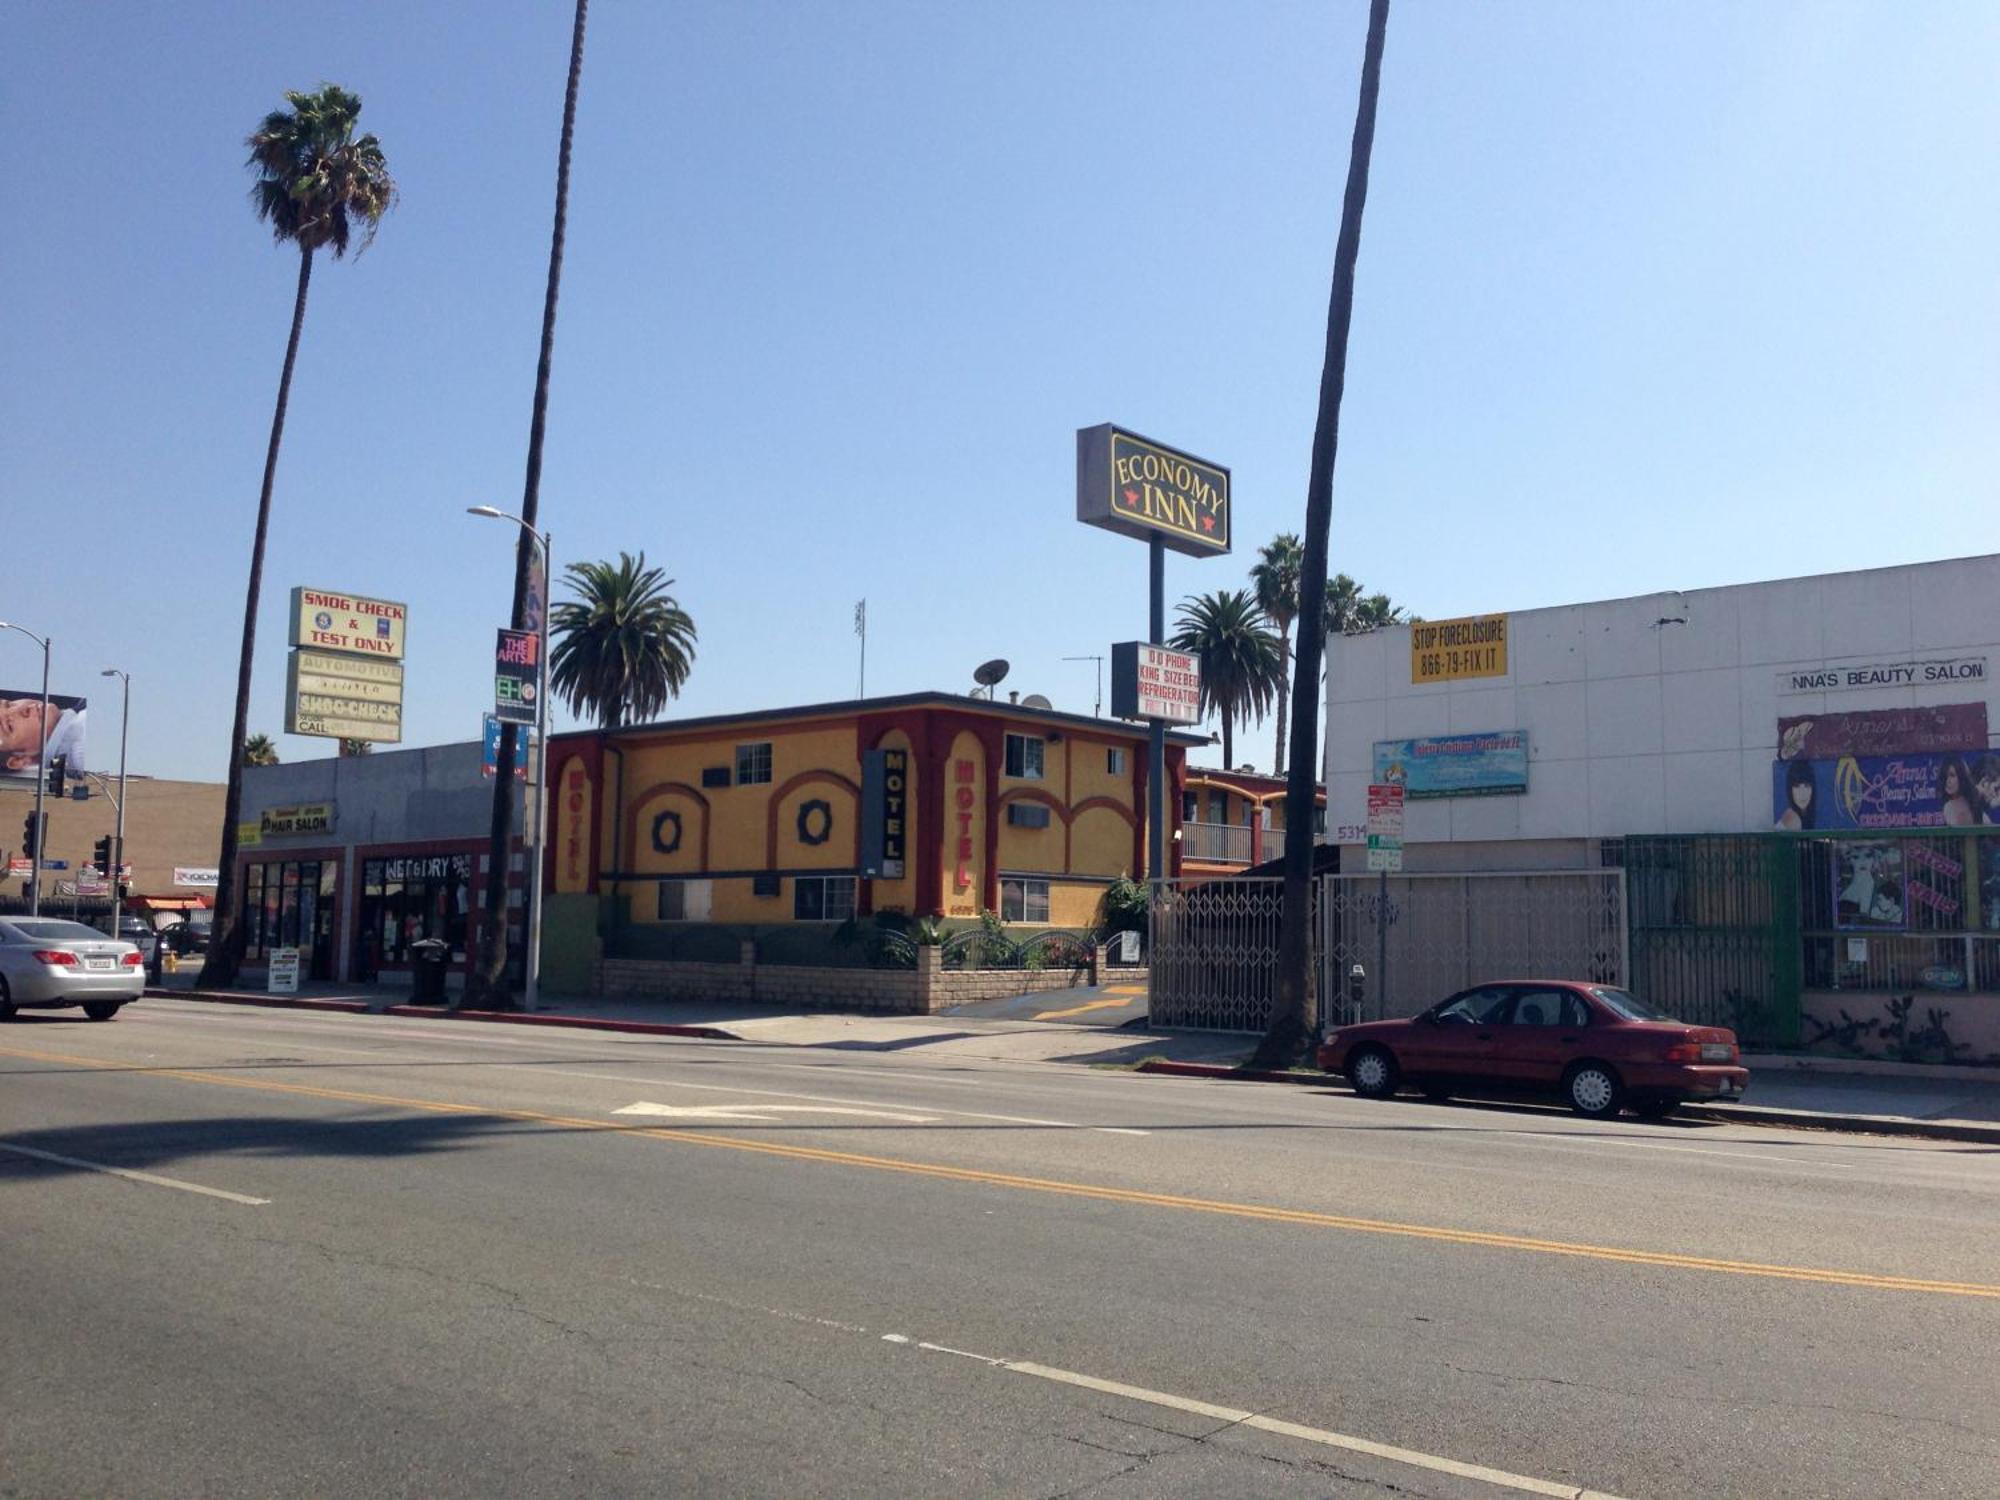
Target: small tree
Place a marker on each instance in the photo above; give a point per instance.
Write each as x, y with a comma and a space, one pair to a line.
259, 751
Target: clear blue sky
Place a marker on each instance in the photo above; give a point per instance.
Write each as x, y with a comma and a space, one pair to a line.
1650, 297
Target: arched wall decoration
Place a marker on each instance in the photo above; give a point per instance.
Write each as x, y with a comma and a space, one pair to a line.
635, 809
815, 822
662, 841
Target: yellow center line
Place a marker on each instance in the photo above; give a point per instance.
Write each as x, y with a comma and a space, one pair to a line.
1102, 1193
1077, 1010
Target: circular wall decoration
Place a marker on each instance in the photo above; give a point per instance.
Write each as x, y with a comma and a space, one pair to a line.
815, 822
667, 832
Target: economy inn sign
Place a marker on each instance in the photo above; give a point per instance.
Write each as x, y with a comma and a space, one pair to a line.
1140, 488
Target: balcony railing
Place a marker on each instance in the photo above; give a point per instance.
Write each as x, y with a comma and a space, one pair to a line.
1216, 843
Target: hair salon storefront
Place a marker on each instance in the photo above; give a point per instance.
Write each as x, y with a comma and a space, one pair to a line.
353, 860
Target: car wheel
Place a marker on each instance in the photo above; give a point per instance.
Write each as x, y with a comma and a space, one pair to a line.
1372, 1073
1593, 1090
101, 1010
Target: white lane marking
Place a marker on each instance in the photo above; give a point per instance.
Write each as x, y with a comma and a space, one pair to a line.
723, 1088
759, 1112
131, 1176
1326, 1438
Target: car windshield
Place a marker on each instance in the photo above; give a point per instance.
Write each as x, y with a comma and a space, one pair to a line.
43, 930
1629, 1005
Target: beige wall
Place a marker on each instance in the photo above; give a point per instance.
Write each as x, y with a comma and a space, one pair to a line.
167, 823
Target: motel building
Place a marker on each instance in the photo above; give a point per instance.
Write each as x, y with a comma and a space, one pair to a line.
1231, 820
680, 839
1790, 790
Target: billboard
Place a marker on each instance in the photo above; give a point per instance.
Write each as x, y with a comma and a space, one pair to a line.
1928, 790
1456, 765
885, 815
1140, 488
1449, 650
1152, 682
348, 623
28, 743
489, 765
1883, 731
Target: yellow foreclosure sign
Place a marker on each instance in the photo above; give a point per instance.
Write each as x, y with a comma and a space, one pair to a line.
1447, 650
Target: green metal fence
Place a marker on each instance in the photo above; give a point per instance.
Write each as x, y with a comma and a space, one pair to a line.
1714, 923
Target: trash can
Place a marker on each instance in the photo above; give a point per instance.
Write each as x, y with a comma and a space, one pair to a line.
429, 958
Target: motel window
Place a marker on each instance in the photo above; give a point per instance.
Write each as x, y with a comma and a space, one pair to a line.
1319, 822
753, 764
1114, 762
823, 898
1027, 815
1218, 807
684, 900
1024, 900
1189, 802
1024, 756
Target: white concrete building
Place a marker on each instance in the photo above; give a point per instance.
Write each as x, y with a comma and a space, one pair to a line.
1657, 714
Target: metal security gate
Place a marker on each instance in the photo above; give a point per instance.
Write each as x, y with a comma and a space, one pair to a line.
1392, 947
1213, 955
1413, 940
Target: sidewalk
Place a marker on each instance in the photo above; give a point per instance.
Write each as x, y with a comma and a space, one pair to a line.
1816, 1093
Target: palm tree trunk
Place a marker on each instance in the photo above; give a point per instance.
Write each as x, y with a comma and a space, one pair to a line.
1293, 1017
1228, 739
1284, 692
488, 982
225, 946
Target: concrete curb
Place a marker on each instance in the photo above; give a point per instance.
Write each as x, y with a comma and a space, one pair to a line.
1805, 1119
271, 1002
1801, 1119
441, 1013
576, 1023
1224, 1070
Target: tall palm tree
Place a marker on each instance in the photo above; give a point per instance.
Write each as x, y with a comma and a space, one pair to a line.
1241, 663
1375, 612
487, 984
1275, 577
351, 748
258, 751
318, 183
1343, 596
624, 645
1292, 1017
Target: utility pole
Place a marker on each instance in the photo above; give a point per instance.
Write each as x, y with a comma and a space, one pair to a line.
1097, 704
861, 629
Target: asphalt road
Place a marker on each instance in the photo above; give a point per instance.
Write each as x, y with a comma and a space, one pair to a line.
368, 1256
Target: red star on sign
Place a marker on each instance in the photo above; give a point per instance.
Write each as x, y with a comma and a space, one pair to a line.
1208, 523
1131, 497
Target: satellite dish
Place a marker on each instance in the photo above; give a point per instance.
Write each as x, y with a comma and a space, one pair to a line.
990, 672
1036, 700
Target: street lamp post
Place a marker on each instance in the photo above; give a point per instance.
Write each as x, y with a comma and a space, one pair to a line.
532, 989
118, 840
41, 773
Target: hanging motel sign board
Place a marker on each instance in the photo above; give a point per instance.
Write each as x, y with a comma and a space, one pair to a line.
1140, 488
1151, 682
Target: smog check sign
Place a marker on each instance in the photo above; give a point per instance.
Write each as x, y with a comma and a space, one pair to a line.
348, 623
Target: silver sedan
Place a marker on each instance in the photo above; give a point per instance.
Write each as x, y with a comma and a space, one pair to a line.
47, 962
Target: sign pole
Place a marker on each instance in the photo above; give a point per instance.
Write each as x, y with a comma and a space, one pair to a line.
1156, 732
41, 784
1382, 945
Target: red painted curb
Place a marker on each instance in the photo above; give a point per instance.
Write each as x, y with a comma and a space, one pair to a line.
579, 1023
1221, 1070
273, 1002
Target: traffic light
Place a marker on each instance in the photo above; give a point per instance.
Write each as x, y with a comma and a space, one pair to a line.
100, 855
58, 775
31, 834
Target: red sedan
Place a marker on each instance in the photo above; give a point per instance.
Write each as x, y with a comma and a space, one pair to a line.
1597, 1048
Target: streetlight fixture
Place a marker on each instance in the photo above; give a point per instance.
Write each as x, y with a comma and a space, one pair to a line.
118, 840
41, 772
532, 989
